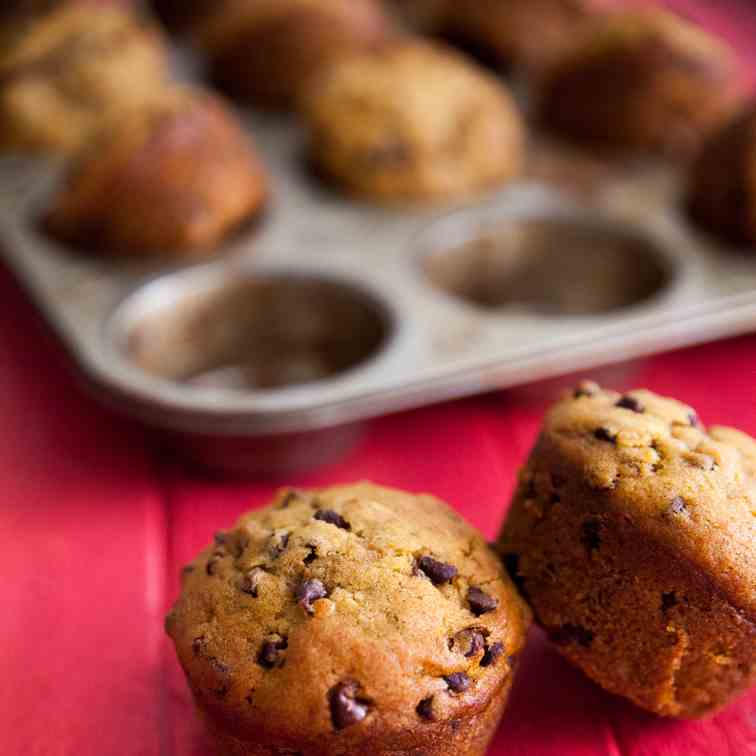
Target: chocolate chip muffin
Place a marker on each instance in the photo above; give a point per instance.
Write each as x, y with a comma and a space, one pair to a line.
354, 619
504, 29
633, 536
63, 67
265, 51
172, 177
641, 81
412, 122
722, 183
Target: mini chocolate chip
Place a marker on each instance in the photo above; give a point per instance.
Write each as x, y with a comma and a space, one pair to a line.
270, 654
312, 554
480, 602
199, 645
570, 633
309, 591
668, 601
678, 506
290, 497
530, 489
219, 538
438, 572
347, 706
603, 434
222, 671
630, 403
590, 535
512, 566
250, 583
493, 652
425, 709
694, 420
332, 518
458, 682
212, 563
187, 569
469, 642
278, 544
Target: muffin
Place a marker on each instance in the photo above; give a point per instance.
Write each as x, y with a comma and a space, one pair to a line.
641, 81
412, 122
172, 177
61, 70
423, 15
633, 536
504, 29
266, 50
180, 15
722, 183
354, 619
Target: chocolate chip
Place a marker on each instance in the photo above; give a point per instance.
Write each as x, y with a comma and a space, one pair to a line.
347, 706
458, 682
309, 591
480, 602
493, 652
569, 633
278, 544
668, 601
332, 518
630, 403
469, 642
199, 646
694, 420
678, 506
438, 572
586, 388
271, 652
590, 535
219, 538
289, 498
512, 566
425, 709
187, 569
250, 583
603, 434
312, 554
212, 563
221, 670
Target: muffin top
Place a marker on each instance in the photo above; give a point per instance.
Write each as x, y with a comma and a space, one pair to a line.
368, 607
413, 120
652, 460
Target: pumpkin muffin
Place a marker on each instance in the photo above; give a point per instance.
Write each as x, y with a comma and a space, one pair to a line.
354, 619
63, 69
526, 34
722, 184
173, 177
266, 50
633, 536
641, 81
412, 122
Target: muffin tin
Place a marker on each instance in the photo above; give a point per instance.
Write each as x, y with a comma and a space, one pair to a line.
330, 311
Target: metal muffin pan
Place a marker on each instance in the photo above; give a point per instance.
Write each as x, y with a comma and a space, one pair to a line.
330, 311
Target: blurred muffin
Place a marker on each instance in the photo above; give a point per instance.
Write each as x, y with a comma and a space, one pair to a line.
423, 15
644, 80
179, 15
174, 176
62, 70
523, 33
265, 50
413, 121
722, 185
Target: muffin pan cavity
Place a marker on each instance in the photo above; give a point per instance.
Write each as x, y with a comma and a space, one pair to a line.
255, 331
547, 265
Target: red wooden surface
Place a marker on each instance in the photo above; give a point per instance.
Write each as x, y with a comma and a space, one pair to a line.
94, 526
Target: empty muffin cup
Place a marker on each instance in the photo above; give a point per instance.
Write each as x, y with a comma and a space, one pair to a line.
251, 331
552, 264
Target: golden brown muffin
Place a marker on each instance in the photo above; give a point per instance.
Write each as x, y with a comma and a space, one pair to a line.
62, 70
354, 619
644, 80
412, 122
523, 33
266, 50
633, 536
722, 185
174, 176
